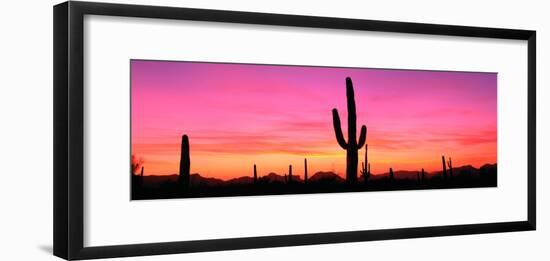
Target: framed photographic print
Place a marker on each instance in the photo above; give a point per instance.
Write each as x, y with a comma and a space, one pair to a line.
183, 130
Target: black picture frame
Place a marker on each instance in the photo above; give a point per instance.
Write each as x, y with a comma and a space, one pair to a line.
69, 118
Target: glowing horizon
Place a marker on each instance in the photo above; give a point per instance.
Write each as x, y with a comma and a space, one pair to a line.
238, 115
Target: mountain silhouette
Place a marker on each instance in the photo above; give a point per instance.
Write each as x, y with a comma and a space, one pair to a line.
467, 170
169, 186
488, 168
398, 174
272, 177
328, 176
322, 176
240, 181
155, 181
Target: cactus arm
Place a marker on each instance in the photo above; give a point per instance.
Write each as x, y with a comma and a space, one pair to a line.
338, 130
362, 137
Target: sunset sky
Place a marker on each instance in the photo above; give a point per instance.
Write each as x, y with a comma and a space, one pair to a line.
239, 114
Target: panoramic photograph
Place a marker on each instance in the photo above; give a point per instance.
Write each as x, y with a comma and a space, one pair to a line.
204, 129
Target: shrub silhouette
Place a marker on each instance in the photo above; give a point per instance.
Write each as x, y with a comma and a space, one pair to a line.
352, 145
136, 179
185, 163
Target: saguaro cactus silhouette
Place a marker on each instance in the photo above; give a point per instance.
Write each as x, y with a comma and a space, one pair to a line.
365, 166
450, 165
352, 145
185, 163
289, 174
305, 170
255, 174
444, 167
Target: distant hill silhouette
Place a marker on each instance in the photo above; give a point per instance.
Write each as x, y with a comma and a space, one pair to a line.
399, 174
272, 177
167, 186
413, 175
320, 176
328, 176
240, 181
155, 181
198, 180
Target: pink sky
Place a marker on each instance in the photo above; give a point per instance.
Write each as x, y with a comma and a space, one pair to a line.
239, 114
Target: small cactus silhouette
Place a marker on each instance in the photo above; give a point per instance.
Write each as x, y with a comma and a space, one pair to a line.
305, 170
289, 174
368, 170
352, 145
255, 174
444, 167
185, 163
391, 174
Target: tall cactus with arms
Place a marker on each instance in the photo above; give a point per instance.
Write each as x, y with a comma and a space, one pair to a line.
352, 145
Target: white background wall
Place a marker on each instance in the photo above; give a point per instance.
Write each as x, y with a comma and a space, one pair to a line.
26, 129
